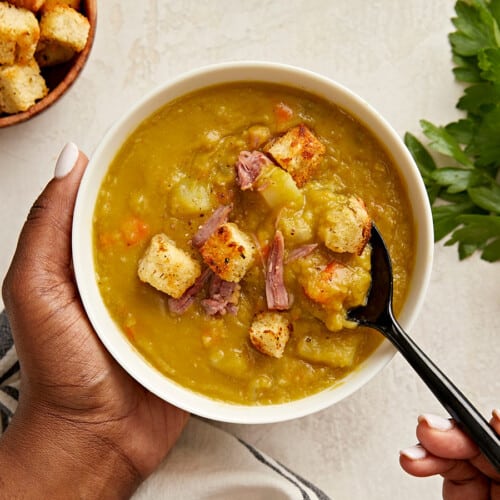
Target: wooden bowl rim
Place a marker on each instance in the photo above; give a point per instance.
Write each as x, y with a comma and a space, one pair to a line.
66, 82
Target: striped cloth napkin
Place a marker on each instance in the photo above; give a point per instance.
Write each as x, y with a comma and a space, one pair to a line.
206, 463
9, 374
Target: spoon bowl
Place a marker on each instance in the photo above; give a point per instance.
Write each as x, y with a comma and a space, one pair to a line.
378, 314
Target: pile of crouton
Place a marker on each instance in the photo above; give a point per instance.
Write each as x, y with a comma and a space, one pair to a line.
35, 34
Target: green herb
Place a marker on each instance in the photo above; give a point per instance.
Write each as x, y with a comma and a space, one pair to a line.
464, 191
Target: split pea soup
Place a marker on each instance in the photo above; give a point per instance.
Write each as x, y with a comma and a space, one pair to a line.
178, 168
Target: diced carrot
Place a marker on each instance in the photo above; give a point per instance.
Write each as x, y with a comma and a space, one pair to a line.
265, 250
282, 112
129, 332
134, 230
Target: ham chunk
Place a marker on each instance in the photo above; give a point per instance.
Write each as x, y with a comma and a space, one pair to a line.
298, 152
249, 166
276, 294
168, 268
229, 252
269, 333
346, 226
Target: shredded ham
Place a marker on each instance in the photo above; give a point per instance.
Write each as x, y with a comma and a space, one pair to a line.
182, 304
219, 217
222, 298
249, 166
276, 293
300, 252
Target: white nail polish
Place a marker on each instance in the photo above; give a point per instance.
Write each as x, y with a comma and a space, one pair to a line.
66, 161
436, 422
416, 452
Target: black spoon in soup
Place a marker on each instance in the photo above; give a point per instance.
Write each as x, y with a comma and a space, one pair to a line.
378, 314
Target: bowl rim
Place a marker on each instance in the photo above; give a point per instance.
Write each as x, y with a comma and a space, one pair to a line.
108, 332
69, 79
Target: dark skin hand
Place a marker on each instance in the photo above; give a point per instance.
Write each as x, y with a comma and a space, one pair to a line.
84, 427
446, 450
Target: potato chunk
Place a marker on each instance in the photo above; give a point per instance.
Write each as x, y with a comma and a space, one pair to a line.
299, 152
168, 268
229, 252
269, 333
278, 188
335, 351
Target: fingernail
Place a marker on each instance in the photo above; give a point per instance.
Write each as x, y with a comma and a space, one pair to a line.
416, 452
496, 414
436, 422
66, 161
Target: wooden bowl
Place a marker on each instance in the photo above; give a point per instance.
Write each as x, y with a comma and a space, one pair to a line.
59, 78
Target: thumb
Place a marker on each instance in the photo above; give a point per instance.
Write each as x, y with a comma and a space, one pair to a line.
43, 254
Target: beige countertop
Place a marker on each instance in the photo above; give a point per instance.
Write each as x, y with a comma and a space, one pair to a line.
396, 56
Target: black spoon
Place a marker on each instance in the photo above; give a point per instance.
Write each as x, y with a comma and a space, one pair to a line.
378, 314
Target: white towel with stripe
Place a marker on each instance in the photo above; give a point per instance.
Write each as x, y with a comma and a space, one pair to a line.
205, 464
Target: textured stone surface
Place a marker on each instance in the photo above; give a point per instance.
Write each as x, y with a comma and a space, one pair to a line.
396, 56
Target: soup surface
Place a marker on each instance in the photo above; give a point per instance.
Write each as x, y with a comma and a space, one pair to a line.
170, 176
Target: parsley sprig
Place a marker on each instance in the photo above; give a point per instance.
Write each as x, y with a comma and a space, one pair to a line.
465, 193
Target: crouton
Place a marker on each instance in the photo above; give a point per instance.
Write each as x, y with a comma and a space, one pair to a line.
20, 87
52, 53
50, 4
345, 226
33, 5
299, 152
229, 252
64, 26
168, 268
269, 333
19, 34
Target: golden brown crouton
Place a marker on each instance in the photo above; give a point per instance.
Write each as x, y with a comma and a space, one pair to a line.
51, 53
64, 26
346, 225
50, 4
229, 252
20, 87
299, 152
19, 34
168, 268
269, 333
33, 5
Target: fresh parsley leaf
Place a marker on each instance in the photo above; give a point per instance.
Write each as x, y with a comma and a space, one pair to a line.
423, 159
443, 142
465, 192
446, 217
476, 29
491, 251
485, 143
466, 69
462, 130
487, 198
480, 98
456, 179
489, 63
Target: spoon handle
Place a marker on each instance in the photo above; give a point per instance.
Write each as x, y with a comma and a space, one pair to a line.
458, 406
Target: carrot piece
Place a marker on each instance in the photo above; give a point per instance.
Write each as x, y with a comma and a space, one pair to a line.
282, 112
134, 230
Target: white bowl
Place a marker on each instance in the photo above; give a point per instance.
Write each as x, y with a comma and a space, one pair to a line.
116, 342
